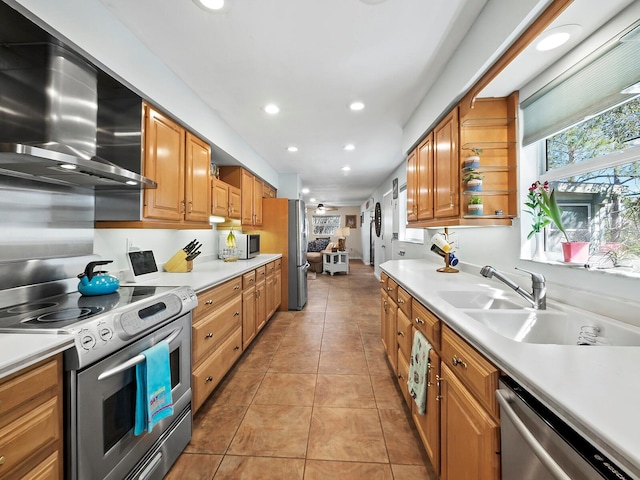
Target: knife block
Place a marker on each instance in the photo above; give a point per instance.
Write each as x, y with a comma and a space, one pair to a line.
179, 263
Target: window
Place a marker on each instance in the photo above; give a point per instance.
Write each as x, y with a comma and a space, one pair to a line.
413, 235
325, 224
594, 167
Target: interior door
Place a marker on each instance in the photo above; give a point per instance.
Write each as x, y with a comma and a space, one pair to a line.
387, 227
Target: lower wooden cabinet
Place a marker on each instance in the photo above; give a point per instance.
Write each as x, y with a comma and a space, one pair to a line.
470, 436
31, 422
210, 371
460, 429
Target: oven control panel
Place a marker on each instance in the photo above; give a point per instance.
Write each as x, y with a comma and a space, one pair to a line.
111, 331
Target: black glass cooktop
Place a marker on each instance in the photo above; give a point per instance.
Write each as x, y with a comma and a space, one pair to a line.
64, 310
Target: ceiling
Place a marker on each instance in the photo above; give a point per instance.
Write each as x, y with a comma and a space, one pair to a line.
313, 58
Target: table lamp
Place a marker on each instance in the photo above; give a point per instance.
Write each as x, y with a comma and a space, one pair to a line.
342, 234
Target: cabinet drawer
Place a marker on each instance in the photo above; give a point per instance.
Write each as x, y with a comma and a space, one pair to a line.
261, 273
249, 279
216, 296
427, 323
403, 376
404, 301
405, 335
20, 439
214, 329
28, 385
271, 268
207, 376
478, 374
48, 469
384, 278
392, 290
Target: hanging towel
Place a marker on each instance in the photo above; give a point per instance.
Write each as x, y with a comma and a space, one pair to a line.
153, 388
418, 371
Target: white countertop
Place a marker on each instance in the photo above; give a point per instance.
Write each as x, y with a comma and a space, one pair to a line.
207, 274
594, 389
18, 351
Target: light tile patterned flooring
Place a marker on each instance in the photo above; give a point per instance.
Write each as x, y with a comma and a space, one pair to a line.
312, 398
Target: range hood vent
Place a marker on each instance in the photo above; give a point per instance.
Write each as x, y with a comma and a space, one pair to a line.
54, 109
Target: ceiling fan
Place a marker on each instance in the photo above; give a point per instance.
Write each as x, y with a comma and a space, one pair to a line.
322, 208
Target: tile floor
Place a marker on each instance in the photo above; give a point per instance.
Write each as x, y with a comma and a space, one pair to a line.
312, 398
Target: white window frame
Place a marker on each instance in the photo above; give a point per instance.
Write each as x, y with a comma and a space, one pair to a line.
409, 235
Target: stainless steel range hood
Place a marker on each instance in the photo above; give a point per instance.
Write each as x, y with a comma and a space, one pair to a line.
51, 118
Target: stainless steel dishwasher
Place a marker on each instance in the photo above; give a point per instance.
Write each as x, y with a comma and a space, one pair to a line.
538, 445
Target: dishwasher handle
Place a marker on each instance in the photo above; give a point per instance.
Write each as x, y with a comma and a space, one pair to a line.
547, 460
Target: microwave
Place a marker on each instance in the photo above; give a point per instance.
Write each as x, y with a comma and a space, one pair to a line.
247, 245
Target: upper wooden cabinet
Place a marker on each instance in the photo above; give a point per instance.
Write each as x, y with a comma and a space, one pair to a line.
269, 191
436, 192
251, 191
225, 199
179, 162
446, 167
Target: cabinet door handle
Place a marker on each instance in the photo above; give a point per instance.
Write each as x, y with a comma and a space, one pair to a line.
389, 289
208, 379
439, 384
458, 361
236, 314
400, 300
429, 382
419, 321
400, 377
236, 347
209, 302
236, 287
400, 333
2, 460
183, 207
190, 207
208, 335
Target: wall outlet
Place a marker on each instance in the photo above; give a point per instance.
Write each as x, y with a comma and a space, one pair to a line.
129, 245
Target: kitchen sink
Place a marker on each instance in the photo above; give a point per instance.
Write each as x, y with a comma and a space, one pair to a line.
558, 327
481, 300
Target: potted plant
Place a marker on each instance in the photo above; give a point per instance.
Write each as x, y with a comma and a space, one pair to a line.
473, 161
473, 179
573, 252
475, 205
540, 219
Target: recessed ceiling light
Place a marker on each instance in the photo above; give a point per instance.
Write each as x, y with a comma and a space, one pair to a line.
305, 190
210, 4
67, 166
349, 147
556, 37
312, 200
292, 149
346, 168
356, 106
272, 109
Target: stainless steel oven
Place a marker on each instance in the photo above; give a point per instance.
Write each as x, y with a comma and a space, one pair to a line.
103, 406
110, 333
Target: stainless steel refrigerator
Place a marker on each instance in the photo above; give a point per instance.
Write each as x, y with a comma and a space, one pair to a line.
298, 235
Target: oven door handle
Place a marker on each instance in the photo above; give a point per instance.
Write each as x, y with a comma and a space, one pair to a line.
132, 362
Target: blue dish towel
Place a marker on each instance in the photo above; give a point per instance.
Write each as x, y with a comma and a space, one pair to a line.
153, 388
418, 371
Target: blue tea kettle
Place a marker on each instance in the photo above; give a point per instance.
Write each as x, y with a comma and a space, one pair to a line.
97, 283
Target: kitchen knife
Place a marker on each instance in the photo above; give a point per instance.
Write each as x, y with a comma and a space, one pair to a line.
194, 248
190, 245
192, 256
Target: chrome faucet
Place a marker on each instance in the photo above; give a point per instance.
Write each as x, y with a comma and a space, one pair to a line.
539, 296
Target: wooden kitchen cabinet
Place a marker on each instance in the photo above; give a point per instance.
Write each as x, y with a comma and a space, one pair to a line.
436, 194
251, 192
428, 425
248, 308
446, 167
179, 162
216, 336
31, 436
420, 186
470, 436
225, 199
389, 333
261, 298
